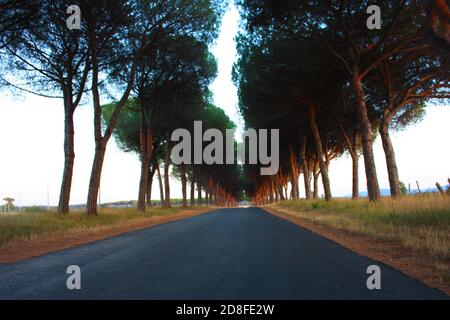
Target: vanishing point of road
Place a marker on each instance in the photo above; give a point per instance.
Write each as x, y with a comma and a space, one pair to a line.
243, 253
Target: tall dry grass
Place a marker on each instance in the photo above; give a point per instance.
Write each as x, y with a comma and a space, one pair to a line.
17, 226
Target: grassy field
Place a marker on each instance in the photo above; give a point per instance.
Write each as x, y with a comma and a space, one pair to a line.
419, 223
28, 226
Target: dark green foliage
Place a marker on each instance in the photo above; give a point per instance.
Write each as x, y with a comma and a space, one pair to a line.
403, 188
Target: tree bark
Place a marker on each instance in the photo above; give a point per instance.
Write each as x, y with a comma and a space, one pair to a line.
216, 196
206, 197
183, 184
391, 163
151, 174
280, 190
192, 200
146, 141
161, 187
353, 150
294, 174
211, 199
94, 182
69, 159
319, 152
355, 177
199, 193
305, 169
274, 189
373, 188
167, 174
316, 174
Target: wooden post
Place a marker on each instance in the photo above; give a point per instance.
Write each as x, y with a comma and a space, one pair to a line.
418, 187
441, 190
409, 188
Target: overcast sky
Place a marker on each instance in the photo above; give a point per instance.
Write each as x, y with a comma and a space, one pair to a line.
31, 141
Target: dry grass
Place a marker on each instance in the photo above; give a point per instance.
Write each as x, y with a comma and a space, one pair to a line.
420, 224
30, 226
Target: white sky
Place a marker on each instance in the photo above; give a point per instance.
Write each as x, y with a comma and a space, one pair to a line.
31, 140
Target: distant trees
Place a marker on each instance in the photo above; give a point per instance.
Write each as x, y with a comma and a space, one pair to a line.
222, 184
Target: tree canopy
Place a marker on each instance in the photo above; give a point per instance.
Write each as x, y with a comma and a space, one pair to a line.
316, 71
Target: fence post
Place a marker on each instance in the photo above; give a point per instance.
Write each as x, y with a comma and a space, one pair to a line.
441, 190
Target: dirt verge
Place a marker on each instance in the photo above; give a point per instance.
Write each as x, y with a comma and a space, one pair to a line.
388, 252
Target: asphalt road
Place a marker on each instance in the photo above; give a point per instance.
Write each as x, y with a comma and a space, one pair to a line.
226, 254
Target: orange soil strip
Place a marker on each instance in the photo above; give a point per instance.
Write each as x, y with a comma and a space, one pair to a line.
388, 252
41, 245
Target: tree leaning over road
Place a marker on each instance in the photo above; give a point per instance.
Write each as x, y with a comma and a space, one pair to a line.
151, 23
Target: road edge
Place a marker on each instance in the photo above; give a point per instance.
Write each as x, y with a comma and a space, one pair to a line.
396, 257
19, 250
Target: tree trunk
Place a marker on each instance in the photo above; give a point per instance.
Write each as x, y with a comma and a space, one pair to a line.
355, 176
69, 158
280, 190
373, 188
319, 152
217, 196
316, 184
274, 189
352, 146
192, 188
294, 175
167, 175
146, 141
206, 198
183, 184
161, 187
94, 182
199, 193
305, 169
391, 163
151, 174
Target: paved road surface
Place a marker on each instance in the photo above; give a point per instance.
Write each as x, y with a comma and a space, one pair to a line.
227, 254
